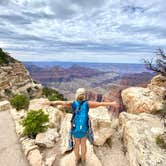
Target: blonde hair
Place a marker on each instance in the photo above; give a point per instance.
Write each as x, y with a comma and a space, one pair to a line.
79, 91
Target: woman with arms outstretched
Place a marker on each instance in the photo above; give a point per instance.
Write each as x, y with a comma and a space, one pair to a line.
79, 131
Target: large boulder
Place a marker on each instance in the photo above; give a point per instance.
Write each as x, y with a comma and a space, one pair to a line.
101, 124
28, 145
149, 100
47, 138
158, 86
139, 134
138, 100
35, 158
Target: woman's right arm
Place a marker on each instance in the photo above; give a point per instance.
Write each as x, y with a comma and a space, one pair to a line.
63, 103
94, 104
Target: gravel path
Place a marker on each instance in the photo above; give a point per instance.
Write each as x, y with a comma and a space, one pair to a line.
113, 156
10, 149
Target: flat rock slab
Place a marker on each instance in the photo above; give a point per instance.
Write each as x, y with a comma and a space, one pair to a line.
5, 105
11, 153
92, 160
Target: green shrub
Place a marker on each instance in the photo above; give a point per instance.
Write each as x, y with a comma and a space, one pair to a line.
52, 94
34, 123
5, 58
19, 102
161, 140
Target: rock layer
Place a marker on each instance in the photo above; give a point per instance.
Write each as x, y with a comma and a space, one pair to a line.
139, 134
149, 100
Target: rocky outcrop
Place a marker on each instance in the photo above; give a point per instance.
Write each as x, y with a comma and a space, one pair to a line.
139, 134
101, 124
14, 78
149, 100
47, 139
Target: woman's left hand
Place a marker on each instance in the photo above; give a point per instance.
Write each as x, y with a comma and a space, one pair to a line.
115, 105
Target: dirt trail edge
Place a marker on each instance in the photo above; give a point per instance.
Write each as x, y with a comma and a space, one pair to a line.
11, 153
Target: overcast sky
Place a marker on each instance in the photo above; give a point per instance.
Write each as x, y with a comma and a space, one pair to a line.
82, 30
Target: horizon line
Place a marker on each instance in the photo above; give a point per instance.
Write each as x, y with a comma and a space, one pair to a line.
86, 62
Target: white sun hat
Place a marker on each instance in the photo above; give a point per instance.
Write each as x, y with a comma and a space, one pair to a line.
79, 91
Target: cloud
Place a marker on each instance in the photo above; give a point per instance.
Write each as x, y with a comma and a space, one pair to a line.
82, 30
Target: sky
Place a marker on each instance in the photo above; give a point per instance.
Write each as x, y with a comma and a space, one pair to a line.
123, 31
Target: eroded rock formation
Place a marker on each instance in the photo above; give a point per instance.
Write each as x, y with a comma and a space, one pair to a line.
14, 78
149, 100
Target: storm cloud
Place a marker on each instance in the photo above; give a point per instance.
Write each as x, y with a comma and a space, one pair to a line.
84, 30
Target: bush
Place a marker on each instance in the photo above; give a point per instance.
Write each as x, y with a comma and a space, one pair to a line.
5, 58
52, 94
19, 102
34, 123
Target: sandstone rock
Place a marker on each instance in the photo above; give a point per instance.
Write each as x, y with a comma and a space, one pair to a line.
158, 86
50, 160
101, 124
18, 116
28, 145
47, 139
149, 100
139, 133
64, 132
92, 159
55, 115
16, 79
35, 158
158, 80
5, 105
36, 104
138, 99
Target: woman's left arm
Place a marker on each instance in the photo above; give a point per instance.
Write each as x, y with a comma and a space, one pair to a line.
94, 104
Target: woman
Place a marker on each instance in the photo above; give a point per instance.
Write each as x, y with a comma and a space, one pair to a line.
80, 137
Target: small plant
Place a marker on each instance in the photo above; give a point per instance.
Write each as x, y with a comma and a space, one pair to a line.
34, 123
52, 94
19, 102
161, 140
5, 58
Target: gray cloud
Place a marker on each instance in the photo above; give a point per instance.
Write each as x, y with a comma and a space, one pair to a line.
4, 2
85, 29
15, 19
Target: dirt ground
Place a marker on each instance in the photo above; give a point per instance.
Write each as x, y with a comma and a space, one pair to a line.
11, 153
